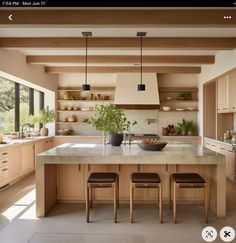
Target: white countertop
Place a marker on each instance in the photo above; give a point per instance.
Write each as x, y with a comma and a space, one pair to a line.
92, 153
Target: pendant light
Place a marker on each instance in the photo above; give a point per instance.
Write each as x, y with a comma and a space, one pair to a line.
141, 86
86, 86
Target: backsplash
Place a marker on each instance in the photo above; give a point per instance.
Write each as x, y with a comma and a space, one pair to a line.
143, 124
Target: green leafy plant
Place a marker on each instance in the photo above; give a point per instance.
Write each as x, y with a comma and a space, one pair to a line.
110, 119
186, 127
46, 116
187, 95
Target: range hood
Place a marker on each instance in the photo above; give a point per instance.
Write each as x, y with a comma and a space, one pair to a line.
128, 97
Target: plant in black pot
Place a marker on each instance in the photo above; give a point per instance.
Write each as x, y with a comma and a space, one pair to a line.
111, 120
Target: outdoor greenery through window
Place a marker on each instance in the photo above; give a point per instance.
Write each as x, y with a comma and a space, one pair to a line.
17, 102
7, 105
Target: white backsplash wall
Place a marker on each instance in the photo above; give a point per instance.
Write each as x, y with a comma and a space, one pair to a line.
166, 118
141, 117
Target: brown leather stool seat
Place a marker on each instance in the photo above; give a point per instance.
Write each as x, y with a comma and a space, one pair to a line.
102, 180
145, 180
187, 180
102, 177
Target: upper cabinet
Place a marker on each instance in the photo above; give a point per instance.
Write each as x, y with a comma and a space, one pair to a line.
226, 89
232, 91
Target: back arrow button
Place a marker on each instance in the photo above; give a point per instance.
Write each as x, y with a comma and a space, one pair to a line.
10, 17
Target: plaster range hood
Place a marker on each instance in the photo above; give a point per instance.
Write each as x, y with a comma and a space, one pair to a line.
128, 97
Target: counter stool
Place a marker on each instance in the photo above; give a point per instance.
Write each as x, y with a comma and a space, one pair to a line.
102, 180
145, 180
187, 180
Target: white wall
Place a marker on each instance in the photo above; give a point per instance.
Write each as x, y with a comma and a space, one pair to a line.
224, 62
13, 66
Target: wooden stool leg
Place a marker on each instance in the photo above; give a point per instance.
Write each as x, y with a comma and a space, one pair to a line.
131, 201
174, 202
160, 202
117, 182
206, 202
87, 203
91, 197
115, 201
170, 202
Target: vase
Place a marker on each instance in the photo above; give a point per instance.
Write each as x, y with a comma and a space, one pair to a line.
116, 139
44, 131
66, 95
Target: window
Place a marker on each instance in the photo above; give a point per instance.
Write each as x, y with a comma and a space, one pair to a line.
7, 105
24, 104
17, 101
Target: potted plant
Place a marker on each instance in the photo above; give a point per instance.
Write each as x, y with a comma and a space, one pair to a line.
45, 116
186, 127
111, 120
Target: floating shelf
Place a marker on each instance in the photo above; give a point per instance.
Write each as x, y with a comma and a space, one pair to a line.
75, 110
85, 100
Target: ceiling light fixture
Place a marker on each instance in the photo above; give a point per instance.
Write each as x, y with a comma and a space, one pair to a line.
141, 86
86, 86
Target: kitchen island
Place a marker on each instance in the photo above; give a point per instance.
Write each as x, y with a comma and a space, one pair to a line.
61, 172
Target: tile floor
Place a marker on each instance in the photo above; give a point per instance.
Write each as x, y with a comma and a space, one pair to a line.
66, 222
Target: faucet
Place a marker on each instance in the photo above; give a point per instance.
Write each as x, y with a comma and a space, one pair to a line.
22, 128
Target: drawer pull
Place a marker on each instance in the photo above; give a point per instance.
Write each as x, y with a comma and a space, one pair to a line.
4, 162
4, 169
222, 148
213, 145
4, 153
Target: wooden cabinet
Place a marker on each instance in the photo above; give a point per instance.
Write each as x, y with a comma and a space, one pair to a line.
44, 145
27, 158
227, 150
223, 93
15, 162
70, 182
232, 91
4, 167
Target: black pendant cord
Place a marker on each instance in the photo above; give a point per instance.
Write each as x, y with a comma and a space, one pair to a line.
141, 60
86, 60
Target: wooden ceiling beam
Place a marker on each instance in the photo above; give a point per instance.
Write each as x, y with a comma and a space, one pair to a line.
150, 69
120, 17
193, 59
187, 43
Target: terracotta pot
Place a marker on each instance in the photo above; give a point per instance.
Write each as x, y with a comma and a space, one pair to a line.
44, 131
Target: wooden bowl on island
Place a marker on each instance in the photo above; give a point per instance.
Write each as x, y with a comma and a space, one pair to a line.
152, 144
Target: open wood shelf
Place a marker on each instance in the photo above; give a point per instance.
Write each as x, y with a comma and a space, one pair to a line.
85, 100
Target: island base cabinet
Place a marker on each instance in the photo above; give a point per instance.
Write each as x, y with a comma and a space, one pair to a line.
28, 158
71, 182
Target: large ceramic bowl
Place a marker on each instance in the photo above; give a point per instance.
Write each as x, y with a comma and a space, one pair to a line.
152, 147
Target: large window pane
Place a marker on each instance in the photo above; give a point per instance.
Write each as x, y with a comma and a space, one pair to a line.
24, 104
36, 107
7, 105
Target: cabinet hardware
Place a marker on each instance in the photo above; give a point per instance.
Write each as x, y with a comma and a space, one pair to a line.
78, 167
213, 145
222, 148
4, 169
231, 151
4, 153
138, 168
4, 162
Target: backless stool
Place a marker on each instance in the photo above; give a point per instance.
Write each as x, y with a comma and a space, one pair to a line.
187, 180
145, 180
102, 180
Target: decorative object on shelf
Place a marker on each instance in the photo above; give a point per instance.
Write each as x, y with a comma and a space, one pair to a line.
186, 128
69, 108
190, 108
166, 108
71, 118
112, 120
141, 86
75, 108
66, 95
179, 109
65, 131
46, 116
86, 86
63, 108
185, 95
165, 131
168, 98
